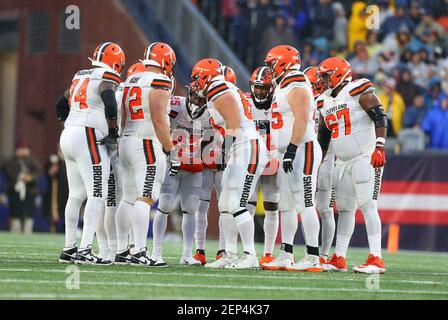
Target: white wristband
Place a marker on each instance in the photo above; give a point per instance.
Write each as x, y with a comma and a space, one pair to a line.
381, 141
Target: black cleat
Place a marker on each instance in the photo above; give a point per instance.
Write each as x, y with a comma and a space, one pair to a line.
68, 255
123, 257
87, 256
142, 259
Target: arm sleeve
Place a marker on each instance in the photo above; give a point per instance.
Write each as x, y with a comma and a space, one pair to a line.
110, 104
62, 108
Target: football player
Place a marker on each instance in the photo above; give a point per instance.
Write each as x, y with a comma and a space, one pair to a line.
261, 93
324, 193
243, 158
211, 177
145, 144
353, 119
297, 142
112, 218
186, 132
90, 130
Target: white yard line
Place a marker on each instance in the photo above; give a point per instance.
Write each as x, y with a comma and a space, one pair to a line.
230, 287
229, 274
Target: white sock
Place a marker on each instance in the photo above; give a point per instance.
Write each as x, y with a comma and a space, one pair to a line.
122, 223
222, 237
373, 226
251, 208
346, 226
230, 233
311, 226
270, 227
246, 228
72, 209
201, 224
111, 230
289, 225
140, 224
94, 207
158, 233
328, 229
101, 236
188, 228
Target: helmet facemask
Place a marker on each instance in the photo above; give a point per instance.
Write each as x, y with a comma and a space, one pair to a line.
195, 104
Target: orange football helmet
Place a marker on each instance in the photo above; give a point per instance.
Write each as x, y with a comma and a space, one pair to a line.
229, 74
282, 58
333, 71
311, 74
202, 74
136, 68
261, 85
159, 54
109, 55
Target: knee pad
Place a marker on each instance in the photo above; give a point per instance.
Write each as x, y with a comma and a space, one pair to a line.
270, 186
364, 181
78, 193
233, 179
190, 204
270, 206
166, 202
324, 200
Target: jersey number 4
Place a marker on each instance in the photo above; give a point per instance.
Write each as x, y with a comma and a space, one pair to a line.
333, 125
81, 93
133, 97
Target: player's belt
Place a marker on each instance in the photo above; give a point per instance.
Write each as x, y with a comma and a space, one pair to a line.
93, 146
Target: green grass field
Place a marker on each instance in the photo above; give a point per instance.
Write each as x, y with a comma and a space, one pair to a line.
29, 269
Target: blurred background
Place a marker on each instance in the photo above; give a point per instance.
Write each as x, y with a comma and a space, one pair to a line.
401, 45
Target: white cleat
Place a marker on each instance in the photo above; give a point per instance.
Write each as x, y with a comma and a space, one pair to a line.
284, 261
309, 263
372, 265
247, 261
229, 258
189, 261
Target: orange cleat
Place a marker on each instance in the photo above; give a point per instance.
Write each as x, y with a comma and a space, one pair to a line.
373, 264
323, 260
336, 263
221, 253
266, 258
200, 257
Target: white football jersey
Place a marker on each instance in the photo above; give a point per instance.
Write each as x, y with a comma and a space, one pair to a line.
247, 126
86, 105
280, 105
136, 103
352, 130
119, 98
187, 132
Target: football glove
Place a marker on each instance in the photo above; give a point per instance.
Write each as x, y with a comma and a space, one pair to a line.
288, 158
378, 157
111, 139
174, 161
227, 144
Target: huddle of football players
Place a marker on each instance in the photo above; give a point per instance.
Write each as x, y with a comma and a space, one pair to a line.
311, 140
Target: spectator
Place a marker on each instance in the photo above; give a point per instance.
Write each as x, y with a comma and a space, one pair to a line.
428, 29
56, 195
22, 172
362, 66
435, 125
415, 12
357, 29
415, 113
398, 21
322, 18
374, 47
419, 70
279, 33
300, 22
393, 106
340, 26
407, 88
435, 94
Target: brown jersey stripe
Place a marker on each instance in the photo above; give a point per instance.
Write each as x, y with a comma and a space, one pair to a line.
161, 84
218, 88
216, 93
309, 158
95, 156
149, 151
111, 76
320, 104
361, 88
291, 79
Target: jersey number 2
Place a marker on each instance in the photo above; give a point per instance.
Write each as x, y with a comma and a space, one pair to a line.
134, 102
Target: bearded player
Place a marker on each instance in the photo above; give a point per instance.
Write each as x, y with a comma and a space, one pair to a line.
145, 145
90, 130
297, 142
324, 193
353, 119
261, 93
243, 158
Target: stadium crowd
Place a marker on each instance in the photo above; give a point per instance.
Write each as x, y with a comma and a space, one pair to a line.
406, 57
